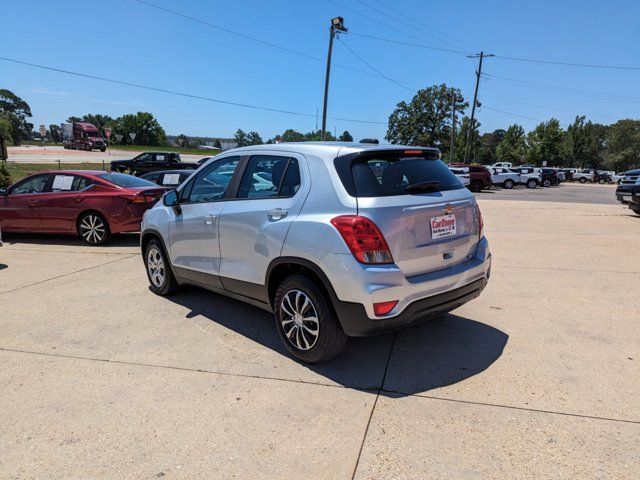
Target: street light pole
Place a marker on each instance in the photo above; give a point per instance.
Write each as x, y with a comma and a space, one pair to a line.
453, 129
471, 130
337, 25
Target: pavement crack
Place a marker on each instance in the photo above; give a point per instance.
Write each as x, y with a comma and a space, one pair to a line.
373, 408
67, 274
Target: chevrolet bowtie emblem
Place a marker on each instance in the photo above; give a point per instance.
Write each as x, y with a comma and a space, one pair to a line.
448, 209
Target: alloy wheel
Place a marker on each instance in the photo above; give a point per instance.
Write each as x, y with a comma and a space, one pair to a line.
299, 319
155, 266
92, 229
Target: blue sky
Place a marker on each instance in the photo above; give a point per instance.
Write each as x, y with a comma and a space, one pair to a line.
132, 42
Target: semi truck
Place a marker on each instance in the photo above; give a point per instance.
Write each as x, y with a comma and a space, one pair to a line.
82, 136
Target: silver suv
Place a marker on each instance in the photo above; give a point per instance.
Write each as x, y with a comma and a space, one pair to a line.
336, 239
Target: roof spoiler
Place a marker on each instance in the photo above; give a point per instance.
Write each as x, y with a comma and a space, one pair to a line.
375, 141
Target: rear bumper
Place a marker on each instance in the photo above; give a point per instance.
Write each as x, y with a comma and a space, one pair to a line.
355, 322
419, 298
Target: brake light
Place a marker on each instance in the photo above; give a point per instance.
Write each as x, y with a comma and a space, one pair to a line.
480, 222
364, 239
383, 308
413, 152
139, 198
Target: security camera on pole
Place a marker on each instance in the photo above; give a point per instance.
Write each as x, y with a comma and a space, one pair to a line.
337, 26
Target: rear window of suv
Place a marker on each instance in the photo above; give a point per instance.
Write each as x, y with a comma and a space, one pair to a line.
389, 173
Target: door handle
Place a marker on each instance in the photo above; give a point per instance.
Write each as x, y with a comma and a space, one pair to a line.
33, 204
210, 219
277, 214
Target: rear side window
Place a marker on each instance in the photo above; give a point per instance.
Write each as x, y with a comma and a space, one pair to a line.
395, 173
35, 184
124, 180
270, 176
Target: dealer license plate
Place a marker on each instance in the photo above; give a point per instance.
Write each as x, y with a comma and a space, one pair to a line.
443, 226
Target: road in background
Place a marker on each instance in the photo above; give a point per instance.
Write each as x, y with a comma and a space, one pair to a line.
32, 154
564, 193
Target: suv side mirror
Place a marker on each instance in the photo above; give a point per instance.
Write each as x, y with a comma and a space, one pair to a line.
4, 192
170, 199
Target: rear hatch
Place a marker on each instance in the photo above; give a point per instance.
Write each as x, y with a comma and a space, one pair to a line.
429, 220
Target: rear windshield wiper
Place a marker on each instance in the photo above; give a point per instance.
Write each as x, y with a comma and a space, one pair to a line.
432, 186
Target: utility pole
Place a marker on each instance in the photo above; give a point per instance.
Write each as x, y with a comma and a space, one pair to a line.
453, 129
472, 130
337, 26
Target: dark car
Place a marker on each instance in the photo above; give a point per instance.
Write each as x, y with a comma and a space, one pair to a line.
91, 204
168, 178
151, 162
549, 177
628, 192
479, 176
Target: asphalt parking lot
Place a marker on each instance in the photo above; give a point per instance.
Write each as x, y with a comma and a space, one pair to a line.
537, 378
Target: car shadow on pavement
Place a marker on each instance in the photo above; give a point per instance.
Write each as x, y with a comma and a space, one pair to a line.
414, 360
121, 240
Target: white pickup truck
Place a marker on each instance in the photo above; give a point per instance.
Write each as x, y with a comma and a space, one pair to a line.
504, 177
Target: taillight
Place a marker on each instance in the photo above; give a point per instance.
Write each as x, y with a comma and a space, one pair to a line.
139, 198
364, 239
382, 308
480, 222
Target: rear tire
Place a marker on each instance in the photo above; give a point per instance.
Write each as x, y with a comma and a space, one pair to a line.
532, 183
546, 183
508, 184
476, 186
306, 322
582, 180
636, 210
93, 229
161, 278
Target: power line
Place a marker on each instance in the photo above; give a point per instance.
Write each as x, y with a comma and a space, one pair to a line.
409, 44
375, 20
548, 107
513, 114
182, 94
570, 91
459, 42
569, 64
399, 20
249, 37
395, 82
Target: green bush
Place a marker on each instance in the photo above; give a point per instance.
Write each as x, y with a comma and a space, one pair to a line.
5, 176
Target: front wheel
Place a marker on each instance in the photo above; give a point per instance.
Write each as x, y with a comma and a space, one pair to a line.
582, 180
532, 183
93, 228
546, 183
305, 321
161, 279
508, 184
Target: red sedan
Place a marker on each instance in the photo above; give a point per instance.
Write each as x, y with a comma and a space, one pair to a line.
91, 204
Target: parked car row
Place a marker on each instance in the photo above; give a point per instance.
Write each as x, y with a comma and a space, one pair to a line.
481, 177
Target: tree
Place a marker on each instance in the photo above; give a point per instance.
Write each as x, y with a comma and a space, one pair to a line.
56, 134
585, 143
74, 119
240, 138
426, 120
546, 143
623, 145
183, 140
147, 129
254, 138
99, 120
488, 145
513, 146
346, 137
6, 129
217, 144
16, 111
291, 135
461, 141
5, 176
